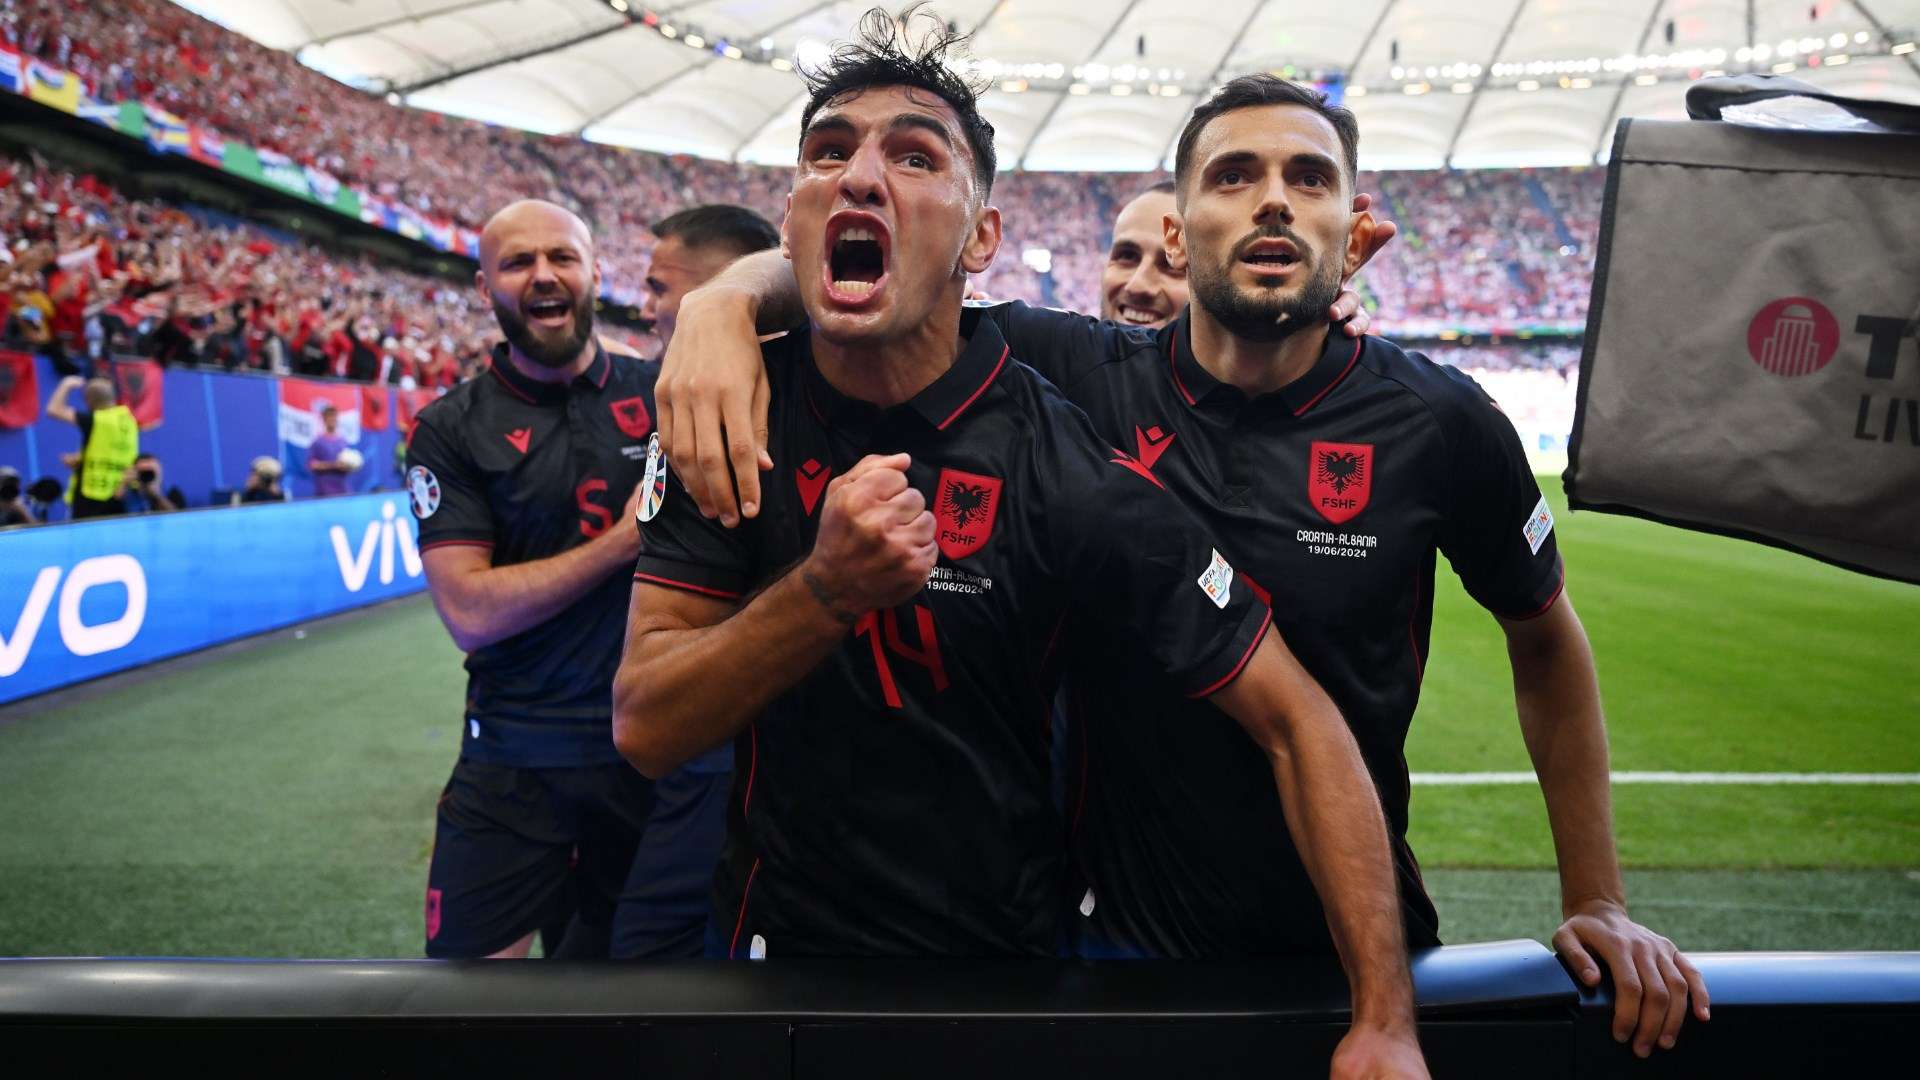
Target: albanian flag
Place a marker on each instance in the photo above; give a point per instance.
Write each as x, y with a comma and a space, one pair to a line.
142, 387
19, 390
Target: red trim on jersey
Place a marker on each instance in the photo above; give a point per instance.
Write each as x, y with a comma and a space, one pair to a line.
745, 893
1053, 639
1544, 608
1337, 380
456, 543
672, 584
1173, 367
504, 381
753, 766
991, 375
1258, 635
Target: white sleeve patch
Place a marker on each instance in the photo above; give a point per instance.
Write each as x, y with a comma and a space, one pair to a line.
1539, 525
653, 484
423, 491
1217, 582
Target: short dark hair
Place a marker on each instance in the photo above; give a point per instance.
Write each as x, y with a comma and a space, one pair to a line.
1253, 91
735, 228
1163, 187
884, 54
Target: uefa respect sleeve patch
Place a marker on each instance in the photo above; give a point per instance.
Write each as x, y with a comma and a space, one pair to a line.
653, 484
423, 491
1217, 582
1539, 525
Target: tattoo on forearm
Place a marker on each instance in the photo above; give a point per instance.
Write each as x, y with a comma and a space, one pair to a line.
826, 597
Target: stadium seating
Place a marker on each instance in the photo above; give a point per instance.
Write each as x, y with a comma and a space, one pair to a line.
1480, 251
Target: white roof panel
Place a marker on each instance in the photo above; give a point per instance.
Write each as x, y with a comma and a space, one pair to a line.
582, 65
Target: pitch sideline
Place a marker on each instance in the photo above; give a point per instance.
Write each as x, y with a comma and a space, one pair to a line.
1463, 779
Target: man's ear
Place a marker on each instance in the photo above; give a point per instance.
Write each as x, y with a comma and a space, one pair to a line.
983, 242
480, 286
786, 215
1360, 248
1173, 237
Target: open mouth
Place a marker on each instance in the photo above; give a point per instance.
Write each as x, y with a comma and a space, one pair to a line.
857, 249
1271, 256
1134, 316
549, 310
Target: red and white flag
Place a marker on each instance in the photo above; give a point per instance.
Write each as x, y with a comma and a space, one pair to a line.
300, 401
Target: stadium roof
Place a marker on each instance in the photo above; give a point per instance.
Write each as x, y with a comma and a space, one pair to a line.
1098, 84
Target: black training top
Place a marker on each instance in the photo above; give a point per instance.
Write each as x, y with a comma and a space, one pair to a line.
1333, 493
896, 801
530, 470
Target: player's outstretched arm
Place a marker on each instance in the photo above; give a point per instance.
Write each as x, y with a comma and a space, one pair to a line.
712, 391
1341, 834
481, 603
1558, 697
58, 407
695, 670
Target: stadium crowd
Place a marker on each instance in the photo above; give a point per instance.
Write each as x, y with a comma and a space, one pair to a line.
1479, 250
92, 273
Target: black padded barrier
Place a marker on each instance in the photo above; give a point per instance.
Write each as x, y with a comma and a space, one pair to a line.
1501, 1009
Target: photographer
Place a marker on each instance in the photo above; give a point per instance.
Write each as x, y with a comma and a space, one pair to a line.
13, 511
263, 483
144, 493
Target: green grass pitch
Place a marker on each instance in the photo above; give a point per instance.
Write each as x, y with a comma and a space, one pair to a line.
278, 800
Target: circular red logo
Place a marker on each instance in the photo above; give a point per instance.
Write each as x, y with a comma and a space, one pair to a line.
1794, 335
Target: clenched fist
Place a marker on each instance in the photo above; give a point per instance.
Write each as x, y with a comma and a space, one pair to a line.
875, 547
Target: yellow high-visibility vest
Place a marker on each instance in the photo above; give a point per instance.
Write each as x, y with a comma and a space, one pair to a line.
110, 450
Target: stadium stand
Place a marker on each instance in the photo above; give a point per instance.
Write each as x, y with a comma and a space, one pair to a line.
186, 285
1487, 251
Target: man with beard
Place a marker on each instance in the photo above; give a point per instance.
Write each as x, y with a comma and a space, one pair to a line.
1140, 286
524, 481
883, 639
1335, 471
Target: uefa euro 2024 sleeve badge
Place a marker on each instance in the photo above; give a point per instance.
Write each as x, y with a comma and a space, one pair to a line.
653, 483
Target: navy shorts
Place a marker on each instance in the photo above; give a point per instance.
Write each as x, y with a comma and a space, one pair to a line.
516, 849
668, 897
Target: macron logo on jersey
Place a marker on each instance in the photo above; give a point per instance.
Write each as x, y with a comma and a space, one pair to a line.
520, 437
1152, 442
